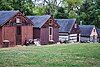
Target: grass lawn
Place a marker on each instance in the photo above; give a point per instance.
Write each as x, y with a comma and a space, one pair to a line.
64, 55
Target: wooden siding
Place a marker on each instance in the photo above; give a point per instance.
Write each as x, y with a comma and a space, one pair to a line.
36, 33
75, 30
84, 38
92, 37
27, 33
43, 32
18, 15
73, 36
68, 37
9, 29
44, 36
0, 37
63, 38
8, 33
55, 34
53, 23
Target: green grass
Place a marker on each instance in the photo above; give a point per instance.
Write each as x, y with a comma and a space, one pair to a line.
64, 55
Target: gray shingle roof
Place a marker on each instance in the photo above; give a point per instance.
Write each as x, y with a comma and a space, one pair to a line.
98, 31
38, 21
5, 15
65, 24
86, 30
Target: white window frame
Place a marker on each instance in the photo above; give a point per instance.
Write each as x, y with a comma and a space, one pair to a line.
17, 20
75, 26
50, 34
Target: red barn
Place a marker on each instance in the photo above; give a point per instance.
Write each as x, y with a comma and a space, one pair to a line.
15, 28
45, 29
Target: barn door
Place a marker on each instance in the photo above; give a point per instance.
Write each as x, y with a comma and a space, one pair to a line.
18, 35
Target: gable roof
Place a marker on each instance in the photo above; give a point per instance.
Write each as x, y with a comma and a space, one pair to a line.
86, 30
98, 31
39, 21
5, 15
65, 24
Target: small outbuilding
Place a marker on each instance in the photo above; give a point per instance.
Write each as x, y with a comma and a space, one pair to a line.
88, 33
69, 30
46, 30
15, 28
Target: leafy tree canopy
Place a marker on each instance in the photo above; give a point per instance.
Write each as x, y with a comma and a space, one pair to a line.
87, 11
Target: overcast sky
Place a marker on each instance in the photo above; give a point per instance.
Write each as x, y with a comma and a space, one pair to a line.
41, 1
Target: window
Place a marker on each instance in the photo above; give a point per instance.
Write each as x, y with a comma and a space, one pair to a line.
50, 33
17, 20
50, 22
50, 30
75, 26
94, 30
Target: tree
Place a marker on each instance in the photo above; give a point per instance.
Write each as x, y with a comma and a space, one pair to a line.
87, 11
61, 13
90, 12
4, 5
25, 6
72, 7
50, 6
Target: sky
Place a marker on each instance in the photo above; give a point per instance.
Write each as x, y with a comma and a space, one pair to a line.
39, 2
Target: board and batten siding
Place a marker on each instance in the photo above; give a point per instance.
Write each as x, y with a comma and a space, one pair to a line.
55, 34
36, 33
44, 35
27, 33
9, 33
0, 37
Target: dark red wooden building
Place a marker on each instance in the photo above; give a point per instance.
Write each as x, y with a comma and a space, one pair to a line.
15, 28
45, 29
